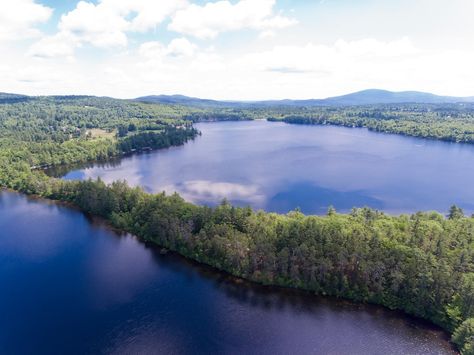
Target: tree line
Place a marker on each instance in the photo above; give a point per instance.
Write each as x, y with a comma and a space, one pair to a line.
422, 263
446, 122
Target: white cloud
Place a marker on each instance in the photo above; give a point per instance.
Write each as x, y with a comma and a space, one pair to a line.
181, 47
152, 50
107, 23
178, 47
100, 25
267, 34
296, 71
151, 13
60, 45
302, 62
18, 18
310, 70
209, 20
324, 59
373, 47
104, 25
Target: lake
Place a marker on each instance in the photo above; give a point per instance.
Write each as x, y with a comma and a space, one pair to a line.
280, 167
70, 285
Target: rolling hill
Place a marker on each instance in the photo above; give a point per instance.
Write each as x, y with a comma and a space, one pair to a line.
365, 97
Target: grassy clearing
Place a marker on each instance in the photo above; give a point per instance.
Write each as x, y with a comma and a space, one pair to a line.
101, 133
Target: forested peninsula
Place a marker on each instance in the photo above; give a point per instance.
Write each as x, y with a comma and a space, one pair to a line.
446, 122
422, 264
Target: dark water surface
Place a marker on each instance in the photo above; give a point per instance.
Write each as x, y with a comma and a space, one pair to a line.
279, 167
72, 286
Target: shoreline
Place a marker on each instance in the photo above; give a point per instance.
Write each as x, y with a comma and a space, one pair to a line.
205, 268
215, 264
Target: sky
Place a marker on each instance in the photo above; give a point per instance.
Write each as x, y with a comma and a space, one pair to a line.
236, 49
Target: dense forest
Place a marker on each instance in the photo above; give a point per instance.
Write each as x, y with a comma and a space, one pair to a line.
447, 122
41, 132
422, 264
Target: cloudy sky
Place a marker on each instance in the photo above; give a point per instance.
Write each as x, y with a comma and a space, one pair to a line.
236, 49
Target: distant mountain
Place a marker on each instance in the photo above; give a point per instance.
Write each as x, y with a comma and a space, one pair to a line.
365, 97
187, 101
12, 98
375, 96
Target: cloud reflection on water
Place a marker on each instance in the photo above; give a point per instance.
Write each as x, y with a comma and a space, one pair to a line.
265, 165
212, 192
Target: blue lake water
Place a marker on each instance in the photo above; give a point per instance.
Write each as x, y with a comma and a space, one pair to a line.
70, 285
279, 167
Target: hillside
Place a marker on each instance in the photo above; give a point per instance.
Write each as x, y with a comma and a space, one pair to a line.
365, 97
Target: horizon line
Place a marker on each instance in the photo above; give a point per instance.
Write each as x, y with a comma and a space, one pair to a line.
241, 100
